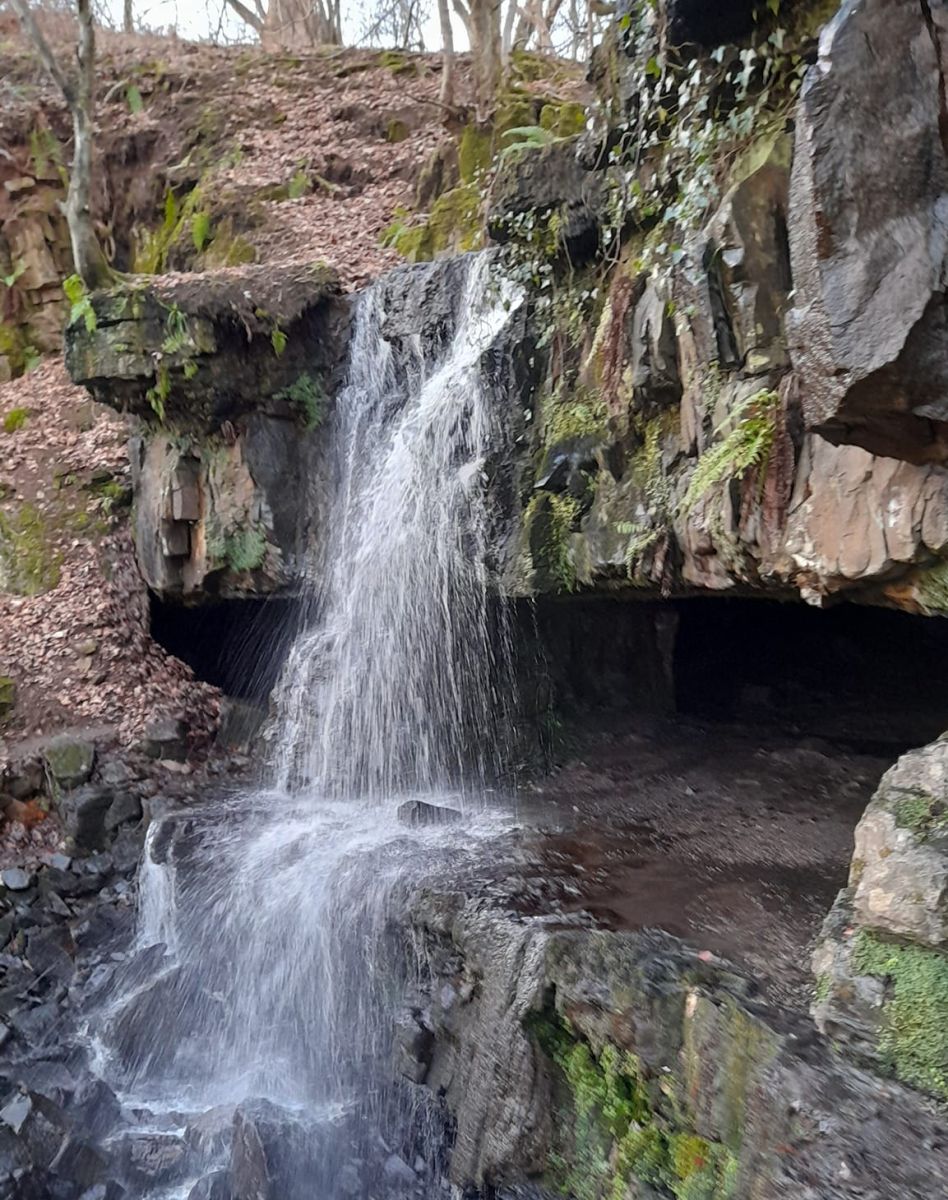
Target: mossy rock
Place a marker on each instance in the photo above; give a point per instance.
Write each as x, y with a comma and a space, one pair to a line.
913, 1043
609, 1133
563, 120
69, 761
15, 419
7, 695
396, 131
29, 562
549, 522
397, 63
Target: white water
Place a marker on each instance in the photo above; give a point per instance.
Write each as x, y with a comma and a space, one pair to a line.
277, 910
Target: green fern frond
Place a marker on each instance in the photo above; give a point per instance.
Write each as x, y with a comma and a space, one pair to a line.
748, 446
527, 137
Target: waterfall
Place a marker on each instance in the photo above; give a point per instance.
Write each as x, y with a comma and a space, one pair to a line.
393, 689
268, 920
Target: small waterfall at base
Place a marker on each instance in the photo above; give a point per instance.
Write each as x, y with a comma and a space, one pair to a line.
268, 944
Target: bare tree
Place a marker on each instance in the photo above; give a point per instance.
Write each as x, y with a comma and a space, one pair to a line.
398, 23
128, 17
482, 20
447, 54
293, 22
90, 262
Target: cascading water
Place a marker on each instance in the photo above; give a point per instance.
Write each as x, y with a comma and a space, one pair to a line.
264, 918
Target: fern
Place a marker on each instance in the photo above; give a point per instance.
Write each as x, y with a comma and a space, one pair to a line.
527, 137
80, 306
177, 337
747, 447
200, 230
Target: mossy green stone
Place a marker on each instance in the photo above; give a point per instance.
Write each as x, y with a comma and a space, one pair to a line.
69, 761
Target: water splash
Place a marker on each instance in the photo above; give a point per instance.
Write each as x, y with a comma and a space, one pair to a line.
275, 915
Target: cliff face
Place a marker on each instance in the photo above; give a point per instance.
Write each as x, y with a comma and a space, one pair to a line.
758, 405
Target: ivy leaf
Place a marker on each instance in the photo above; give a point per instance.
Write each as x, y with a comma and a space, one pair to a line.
134, 98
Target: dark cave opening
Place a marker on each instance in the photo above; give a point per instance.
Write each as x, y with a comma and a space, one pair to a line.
870, 676
238, 645
867, 677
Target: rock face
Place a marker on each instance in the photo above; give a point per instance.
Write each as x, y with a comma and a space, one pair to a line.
755, 408
231, 376
869, 232
590, 1063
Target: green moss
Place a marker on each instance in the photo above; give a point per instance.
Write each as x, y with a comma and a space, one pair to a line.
608, 1132
12, 347
15, 419
914, 1039
45, 152
298, 186
475, 151
922, 813
568, 413
396, 131
455, 221
397, 63
563, 120
549, 520
7, 695
28, 565
229, 249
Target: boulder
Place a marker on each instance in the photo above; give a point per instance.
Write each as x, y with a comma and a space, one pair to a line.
16, 879
900, 863
417, 812
69, 760
83, 815
154, 1158
537, 182
278, 1154
166, 738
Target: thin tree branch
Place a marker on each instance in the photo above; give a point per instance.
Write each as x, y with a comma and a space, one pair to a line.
47, 57
243, 12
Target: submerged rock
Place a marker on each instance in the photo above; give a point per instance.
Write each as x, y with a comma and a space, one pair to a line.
418, 812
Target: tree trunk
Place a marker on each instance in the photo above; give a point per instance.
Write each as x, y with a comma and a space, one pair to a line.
447, 54
128, 19
486, 50
291, 23
90, 262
